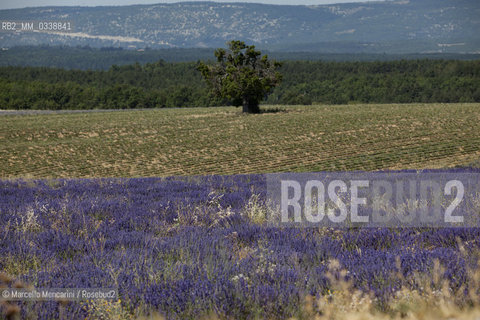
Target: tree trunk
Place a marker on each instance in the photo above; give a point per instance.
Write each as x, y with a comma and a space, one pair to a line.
250, 106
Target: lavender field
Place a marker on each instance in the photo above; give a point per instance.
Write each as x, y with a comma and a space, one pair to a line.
191, 247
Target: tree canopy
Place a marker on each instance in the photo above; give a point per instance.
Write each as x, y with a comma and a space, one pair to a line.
241, 75
164, 84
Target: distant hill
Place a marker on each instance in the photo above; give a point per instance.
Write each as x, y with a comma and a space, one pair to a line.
404, 26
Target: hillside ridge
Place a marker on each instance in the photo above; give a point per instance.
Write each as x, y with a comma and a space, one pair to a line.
371, 27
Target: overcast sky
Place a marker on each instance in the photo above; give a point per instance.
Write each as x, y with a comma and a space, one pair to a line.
10, 4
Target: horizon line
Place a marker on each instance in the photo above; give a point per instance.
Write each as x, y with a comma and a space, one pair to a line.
200, 2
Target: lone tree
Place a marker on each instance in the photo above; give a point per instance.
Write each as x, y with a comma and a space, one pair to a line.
241, 75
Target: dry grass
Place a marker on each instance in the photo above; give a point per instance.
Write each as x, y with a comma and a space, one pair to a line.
433, 302
223, 141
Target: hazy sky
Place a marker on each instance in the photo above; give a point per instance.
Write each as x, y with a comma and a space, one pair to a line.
10, 4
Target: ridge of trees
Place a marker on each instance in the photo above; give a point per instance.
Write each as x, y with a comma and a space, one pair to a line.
164, 84
90, 58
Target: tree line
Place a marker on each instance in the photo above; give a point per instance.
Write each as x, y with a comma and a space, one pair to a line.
89, 58
165, 84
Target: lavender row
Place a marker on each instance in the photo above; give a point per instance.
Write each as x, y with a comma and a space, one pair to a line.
188, 246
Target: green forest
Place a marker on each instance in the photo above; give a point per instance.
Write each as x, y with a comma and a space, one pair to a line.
90, 58
179, 84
